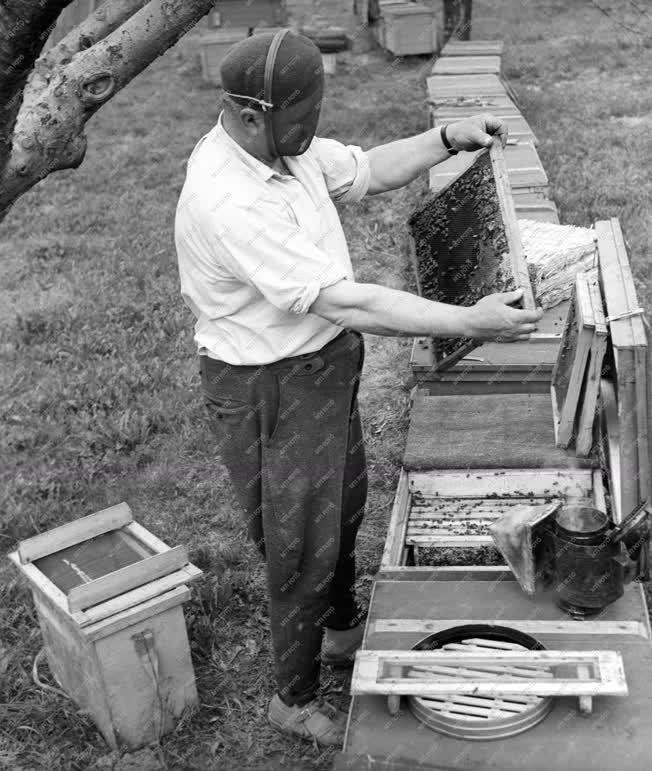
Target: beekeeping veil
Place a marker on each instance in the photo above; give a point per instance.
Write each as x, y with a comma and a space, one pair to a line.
282, 75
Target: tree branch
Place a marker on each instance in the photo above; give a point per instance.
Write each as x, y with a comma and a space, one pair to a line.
49, 131
24, 28
108, 17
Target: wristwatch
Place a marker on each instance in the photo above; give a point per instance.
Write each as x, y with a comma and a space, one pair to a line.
444, 139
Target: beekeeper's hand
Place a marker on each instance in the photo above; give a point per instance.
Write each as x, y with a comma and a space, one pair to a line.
476, 132
494, 318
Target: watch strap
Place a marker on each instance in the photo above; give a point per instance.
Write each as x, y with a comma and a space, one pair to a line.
446, 142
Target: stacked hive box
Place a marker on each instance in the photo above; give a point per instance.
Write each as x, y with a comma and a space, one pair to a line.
472, 455
465, 81
406, 28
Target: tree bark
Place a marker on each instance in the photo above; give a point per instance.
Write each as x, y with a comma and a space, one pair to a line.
68, 86
108, 16
24, 26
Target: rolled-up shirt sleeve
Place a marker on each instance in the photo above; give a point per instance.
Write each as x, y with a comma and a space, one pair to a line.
345, 168
264, 248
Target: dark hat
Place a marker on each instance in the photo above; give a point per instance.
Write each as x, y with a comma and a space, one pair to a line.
282, 74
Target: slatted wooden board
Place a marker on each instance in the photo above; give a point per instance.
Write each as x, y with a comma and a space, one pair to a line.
451, 510
496, 673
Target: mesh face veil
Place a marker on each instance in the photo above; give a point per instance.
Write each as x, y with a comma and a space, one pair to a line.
282, 75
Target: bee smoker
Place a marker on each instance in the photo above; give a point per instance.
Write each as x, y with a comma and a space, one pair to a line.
589, 560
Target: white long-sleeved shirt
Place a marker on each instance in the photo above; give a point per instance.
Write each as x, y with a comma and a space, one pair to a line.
255, 247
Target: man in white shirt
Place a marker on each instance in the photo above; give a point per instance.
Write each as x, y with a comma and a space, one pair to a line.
264, 266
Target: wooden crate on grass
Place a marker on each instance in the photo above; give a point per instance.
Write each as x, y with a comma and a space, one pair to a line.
213, 47
109, 596
409, 29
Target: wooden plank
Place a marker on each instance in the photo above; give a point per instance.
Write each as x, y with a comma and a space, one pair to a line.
607, 675
412, 258
74, 532
446, 573
450, 541
517, 256
149, 539
127, 618
513, 483
625, 323
42, 585
473, 48
394, 551
127, 578
570, 368
591, 386
142, 594
536, 627
465, 85
628, 430
455, 509
599, 499
648, 399
467, 65
642, 375
609, 417
627, 331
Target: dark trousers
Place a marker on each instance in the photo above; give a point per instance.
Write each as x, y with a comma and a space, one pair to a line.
289, 434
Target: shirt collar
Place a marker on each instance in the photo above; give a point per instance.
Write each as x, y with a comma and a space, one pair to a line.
258, 167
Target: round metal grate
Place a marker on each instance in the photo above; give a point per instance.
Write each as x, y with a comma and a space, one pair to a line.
469, 716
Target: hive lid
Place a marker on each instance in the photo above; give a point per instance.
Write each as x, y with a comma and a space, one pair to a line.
101, 564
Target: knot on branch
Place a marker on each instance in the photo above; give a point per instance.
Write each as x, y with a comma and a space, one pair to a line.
97, 88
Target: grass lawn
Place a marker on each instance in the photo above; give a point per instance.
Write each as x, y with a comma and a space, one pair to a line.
99, 378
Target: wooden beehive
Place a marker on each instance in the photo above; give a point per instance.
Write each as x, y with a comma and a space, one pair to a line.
213, 47
109, 599
409, 29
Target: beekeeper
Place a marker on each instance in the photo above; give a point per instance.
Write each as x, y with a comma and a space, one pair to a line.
264, 267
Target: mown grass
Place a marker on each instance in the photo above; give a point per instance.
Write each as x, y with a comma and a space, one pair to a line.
99, 381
